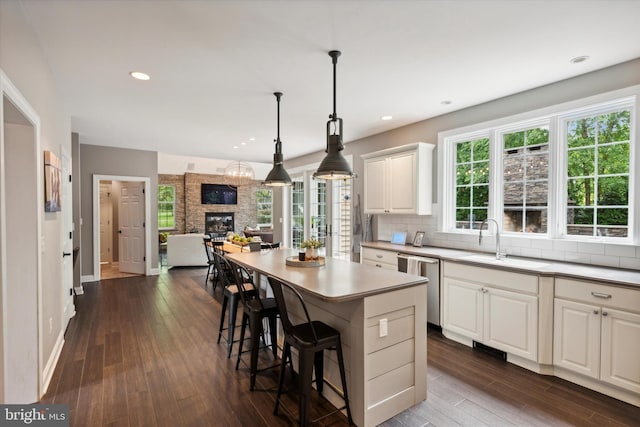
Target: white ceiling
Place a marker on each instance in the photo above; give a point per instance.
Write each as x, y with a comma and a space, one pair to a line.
216, 64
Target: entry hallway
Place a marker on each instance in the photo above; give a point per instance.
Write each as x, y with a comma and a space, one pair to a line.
142, 351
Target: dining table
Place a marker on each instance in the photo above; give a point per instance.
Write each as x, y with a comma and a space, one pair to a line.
381, 316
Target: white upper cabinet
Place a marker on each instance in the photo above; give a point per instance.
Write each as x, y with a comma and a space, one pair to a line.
399, 180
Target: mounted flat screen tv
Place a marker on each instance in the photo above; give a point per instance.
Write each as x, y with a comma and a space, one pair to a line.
219, 194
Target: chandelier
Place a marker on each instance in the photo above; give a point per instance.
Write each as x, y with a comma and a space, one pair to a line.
238, 173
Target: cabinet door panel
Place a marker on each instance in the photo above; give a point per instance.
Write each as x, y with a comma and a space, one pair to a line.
511, 322
576, 338
462, 308
621, 349
402, 183
374, 185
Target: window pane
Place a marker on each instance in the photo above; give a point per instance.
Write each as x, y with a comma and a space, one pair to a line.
580, 192
537, 136
581, 162
614, 127
581, 132
613, 191
481, 149
481, 196
481, 173
463, 152
513, 140
537, 166
613, 216
166, 206
612, 231
463, 174
613, 159
463, 196
264, 206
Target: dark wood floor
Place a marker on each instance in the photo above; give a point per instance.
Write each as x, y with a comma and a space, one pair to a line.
141, 351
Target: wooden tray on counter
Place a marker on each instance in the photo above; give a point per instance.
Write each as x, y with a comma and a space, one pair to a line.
295, 262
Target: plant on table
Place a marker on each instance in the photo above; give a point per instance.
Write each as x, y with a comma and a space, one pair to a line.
311, 246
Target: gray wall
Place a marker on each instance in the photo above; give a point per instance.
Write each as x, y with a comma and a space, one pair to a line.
605, 80
99, 160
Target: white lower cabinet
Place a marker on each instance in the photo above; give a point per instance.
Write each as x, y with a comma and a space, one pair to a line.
379, 258
597, 336
487, 311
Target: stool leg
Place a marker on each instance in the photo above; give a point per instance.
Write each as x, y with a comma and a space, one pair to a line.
255, 328
318, 362
233, 311
343, 378
222, 313
274, 335
286, 353
305, 362
242, 331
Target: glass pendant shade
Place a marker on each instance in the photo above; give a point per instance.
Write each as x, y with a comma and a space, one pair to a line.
334, 165
238, 174
278, 176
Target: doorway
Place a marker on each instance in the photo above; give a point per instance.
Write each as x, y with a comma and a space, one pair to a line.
121, 237
20, 230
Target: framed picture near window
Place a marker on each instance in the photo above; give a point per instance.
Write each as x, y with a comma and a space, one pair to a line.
417, 240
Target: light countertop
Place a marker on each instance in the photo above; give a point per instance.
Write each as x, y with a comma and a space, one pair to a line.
614, 276
337, 280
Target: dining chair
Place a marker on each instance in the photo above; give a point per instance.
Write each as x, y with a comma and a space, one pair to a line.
310, 338
230, 297
254, 310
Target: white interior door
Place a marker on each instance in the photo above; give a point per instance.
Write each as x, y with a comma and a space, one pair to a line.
131, 228
106, 223
67, 240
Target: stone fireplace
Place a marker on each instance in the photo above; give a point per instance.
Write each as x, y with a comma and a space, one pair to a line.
218, 224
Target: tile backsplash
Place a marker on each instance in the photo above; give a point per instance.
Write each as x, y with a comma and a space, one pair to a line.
594, 253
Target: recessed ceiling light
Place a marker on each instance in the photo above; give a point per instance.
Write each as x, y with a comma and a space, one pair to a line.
386, 117
139, 76
243, 143
445, 102
252, 139
235, 147
578, 59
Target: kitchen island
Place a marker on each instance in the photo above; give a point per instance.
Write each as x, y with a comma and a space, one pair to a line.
386, 369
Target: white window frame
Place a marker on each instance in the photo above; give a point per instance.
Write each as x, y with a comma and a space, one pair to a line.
173, 206
555, 116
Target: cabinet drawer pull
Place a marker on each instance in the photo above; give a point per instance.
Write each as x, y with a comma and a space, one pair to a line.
601, 295
378, 265
604, 313
378, 256
595, 311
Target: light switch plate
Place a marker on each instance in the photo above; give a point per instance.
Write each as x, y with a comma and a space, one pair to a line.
384, 328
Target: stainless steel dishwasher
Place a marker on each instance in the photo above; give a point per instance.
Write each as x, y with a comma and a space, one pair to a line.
429, 268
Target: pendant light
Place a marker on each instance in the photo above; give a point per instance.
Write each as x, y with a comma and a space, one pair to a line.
278, 177
334, 165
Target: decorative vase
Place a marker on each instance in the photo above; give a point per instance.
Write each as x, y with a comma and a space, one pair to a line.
312, 253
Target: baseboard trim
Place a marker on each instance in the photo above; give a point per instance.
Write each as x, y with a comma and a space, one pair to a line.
88, 278
50, 367
154, 272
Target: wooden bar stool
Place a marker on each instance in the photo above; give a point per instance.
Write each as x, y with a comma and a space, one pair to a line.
310, 339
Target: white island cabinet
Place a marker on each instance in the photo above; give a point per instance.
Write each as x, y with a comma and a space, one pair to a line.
399, 180
597, 335
382, 318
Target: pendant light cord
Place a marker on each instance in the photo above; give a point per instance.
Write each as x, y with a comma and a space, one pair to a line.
334, 54
278, 95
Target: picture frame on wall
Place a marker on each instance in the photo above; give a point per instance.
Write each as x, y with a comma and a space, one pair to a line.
417, 240
52, 184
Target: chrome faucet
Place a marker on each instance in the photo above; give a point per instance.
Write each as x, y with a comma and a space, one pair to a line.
497, 235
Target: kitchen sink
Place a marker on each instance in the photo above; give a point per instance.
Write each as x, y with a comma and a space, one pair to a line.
507, 262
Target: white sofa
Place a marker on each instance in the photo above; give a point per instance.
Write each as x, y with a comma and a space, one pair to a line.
186, 250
